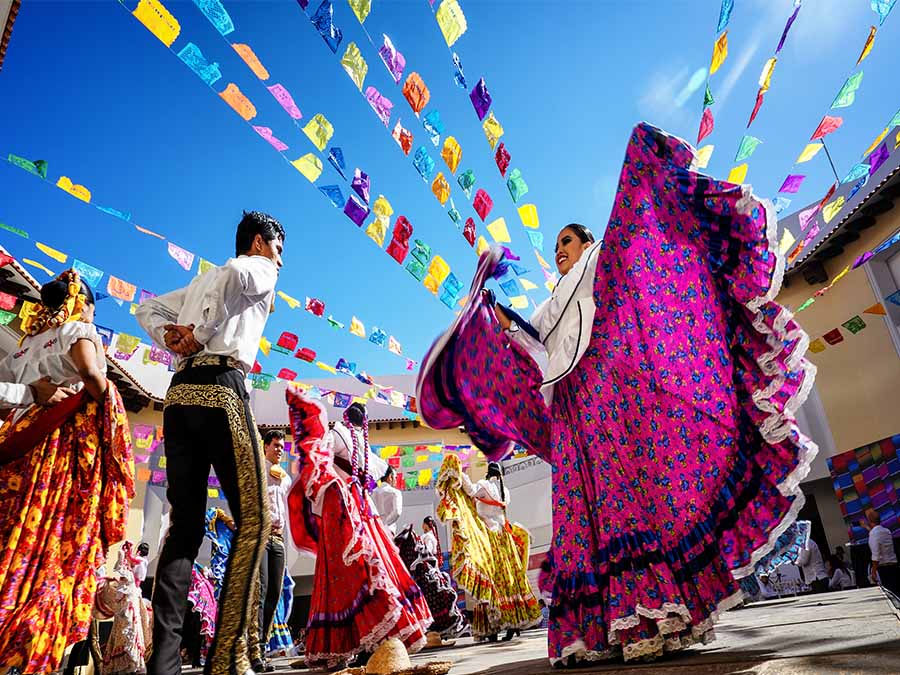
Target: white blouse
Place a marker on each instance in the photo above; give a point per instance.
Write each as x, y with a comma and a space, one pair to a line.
389, 504
47, 355
430, 542
493, 516
341, 439
564, 321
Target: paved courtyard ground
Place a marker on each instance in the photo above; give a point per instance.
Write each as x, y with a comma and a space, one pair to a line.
846, 633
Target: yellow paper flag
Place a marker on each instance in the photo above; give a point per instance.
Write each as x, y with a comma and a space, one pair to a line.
809, 152
35, 263
703, 155
309, 165
52, 252
133, 309
493, 130
875, 143
787, 240
870, 41
204, 266
438, 270
357, 327
264, 345
158, 20
529, 215
238, 102
79, 191
293, 303
388, 451
382, 207
528, 285
541, 260
377, 230
441, 188
451, 153
829, 211
425, 477
482, 245
519, 302
355, 65
498, 231
326, 367
817, 346
738, 174
319, 130
452, 21
720, 53
246, 53
27, 309
840, 275
765, 78
549, 285
361, 8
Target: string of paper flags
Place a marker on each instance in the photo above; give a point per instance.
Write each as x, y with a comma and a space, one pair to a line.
853, 325
453, 24
425, 266
417, 95
123, 291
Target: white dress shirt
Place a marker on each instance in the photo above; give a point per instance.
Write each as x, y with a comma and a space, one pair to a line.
140, 570
493, 516
810, 561
46, 355
881, 544
839, 580
228, 306
388, 501
277, 485
430, 542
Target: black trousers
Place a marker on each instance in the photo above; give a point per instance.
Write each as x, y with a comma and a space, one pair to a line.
271, 580
208, 423
819, 585
889, 575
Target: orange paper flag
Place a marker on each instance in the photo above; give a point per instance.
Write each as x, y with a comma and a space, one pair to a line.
251, 60
877, 308
239, 103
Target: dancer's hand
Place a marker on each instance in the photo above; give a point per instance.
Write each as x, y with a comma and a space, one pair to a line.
48, 393
180, 339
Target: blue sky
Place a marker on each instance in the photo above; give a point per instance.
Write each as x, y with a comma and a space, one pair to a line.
89, 89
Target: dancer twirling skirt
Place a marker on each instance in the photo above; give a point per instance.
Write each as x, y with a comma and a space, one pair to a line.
435, 584
362, 594
672, 380
490, 563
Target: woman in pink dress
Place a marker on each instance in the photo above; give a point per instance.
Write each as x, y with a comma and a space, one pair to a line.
664, 400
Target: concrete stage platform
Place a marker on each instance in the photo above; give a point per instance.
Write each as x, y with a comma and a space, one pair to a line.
849, 632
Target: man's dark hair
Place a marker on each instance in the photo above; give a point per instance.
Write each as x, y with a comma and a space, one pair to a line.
272, 434
143, 548
256, 223
388, 474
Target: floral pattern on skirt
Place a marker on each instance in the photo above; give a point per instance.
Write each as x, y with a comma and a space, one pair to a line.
64, 503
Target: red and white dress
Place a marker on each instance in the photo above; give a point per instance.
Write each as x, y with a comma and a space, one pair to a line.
362, 593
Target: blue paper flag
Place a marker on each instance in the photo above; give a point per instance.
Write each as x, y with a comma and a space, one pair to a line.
781, 203
217, 15
725, 14
857, 171
90, 275
378, 337
882, 8
459, 77
434, 126
536, 238
323, 20
510, 287
336, 159
333, 192
424, 163
450, 290
121, 215
206, 71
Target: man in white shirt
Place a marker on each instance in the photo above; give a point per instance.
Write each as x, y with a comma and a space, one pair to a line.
42, 392
884, 556
214, 326
388, 501
271, 570
813, 567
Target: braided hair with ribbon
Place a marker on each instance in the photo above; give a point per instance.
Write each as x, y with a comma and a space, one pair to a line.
62, 301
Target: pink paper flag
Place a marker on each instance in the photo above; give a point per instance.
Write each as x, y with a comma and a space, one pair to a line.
380, 104
806, 216
792, 183
707, 124
284, 97
266, 133
826, 126
410, 364
756, 107
181, 256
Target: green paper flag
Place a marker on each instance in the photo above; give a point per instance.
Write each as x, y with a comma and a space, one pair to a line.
412, 479
14, 230
847, 95
708, 99
334, 323
6, 317
407, 461
38, 167
855, 324
748, 147
806, 304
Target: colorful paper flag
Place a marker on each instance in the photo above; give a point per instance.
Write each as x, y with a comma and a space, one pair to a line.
252, 60
120, 289
833, 336
787, 240
707, 124
238, 102
493, 130
854, 325
828, 125
529, 216
158, 20
416, 92
720, 53
361, 9
724, 14
792, 183
451, 20
355, 65
817, 346
516, 185
309, 165
867, 47
738, 174
703, 155
357, 327
59, 256
847, 94
77, 191
451, 153
182, 256
808, 153
195, 60
319, 131
499, 231
266, 133
829, 211
765, 77
285, 100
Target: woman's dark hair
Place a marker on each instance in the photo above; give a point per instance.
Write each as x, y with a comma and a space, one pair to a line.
272, 434
583, 233
356, 414
54, 293
495, 470
388, 474
143, 548
837, 563
429, 520
256, 223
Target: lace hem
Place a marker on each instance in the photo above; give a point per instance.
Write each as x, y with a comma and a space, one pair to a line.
780, 424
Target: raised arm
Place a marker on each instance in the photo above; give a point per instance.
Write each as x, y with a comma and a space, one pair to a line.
84, 356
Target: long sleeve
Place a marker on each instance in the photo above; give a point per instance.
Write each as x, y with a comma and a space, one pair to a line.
154, 313
805, 555
237, 287
13, 395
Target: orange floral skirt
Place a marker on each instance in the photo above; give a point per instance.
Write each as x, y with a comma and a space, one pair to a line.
65, 501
